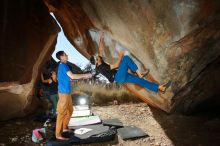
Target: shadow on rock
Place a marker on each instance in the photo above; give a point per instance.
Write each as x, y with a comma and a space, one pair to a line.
197, 129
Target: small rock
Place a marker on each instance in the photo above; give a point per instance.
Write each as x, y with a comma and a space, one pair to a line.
157, 144
162, 144
151, 139
18, 123
121, 109
115, 102
14, 139
145, 140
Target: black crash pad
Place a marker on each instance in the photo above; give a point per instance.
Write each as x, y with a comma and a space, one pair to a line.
54, 142
113, 122
96, 129
98, 136
131, 132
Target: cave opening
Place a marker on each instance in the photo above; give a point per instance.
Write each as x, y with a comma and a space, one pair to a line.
175, 39
63, 43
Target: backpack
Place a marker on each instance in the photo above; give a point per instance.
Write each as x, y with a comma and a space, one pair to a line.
38, 135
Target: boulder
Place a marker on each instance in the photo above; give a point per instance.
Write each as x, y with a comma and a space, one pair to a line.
28, 37
176, 40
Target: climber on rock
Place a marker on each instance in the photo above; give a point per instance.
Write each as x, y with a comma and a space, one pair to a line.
119, 71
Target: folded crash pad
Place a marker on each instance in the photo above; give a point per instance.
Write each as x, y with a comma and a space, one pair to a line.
81, 121
81, 113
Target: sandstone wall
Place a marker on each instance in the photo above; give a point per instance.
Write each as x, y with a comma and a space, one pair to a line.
176, 40
27, 39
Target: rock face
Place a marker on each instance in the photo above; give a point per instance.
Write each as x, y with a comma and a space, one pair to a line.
176, 40
28, 36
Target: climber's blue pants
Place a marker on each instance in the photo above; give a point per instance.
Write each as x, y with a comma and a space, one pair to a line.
122, 75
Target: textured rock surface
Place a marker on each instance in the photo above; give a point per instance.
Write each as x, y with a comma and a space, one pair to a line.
177, 40
74, 22
28, 35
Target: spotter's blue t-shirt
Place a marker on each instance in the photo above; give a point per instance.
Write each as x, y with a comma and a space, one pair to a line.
64, 81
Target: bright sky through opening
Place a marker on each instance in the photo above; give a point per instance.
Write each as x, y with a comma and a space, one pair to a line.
73, 55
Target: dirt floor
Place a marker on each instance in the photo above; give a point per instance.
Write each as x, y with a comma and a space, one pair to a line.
163, 129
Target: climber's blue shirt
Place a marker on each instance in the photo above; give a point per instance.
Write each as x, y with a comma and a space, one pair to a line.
64, 82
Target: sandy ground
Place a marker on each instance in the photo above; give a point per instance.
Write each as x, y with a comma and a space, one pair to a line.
163, 129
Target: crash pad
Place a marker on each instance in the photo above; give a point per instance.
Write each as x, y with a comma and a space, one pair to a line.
113, 122
100, 134
131, 132
94, 129
81, 121
81, 113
